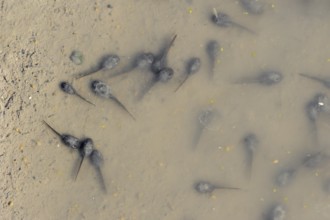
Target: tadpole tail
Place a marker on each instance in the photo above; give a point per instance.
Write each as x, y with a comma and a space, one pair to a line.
167, 49
81, 160
226, 187
311, 77
81, 75
212, 67
82, 98
185, 79
243, 28
314, 133
51, 128
249, 164
101, 179
146, 89
122, 72
122, 106
197, 136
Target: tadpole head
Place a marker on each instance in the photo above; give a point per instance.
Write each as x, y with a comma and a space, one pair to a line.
86, 148
110, 62
194, 65
213, 49
145, 59
100, 88
165, 74
70, 141
270, 78
204, 187
67, 87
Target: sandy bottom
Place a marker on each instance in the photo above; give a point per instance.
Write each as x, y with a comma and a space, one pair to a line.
151, 165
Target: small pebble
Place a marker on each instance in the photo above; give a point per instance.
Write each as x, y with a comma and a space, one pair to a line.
77, 57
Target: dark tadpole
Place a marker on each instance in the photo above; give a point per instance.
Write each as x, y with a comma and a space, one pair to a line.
205, 187
159, 62
250, 144
162, 76
142, 61
85, 150
253, 6
103, 90
266, 78
324, 81
223, 20
96, 159
205, 117
193, 66
108, 63
276, 212
67, 139
68, 88
212, 50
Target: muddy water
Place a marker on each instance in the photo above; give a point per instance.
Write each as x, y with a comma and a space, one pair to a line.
151, 164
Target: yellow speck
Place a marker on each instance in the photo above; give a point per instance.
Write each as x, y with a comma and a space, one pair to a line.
245, 13
275, 161
221, 49
211, 101
102, 126
328, 60
274, 190
253, 54
316, 174
273, 5
228, 148
190, 10
305, 206
285, 199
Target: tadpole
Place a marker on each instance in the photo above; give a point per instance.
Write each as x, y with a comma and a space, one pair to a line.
163, 76
68, 88
142, 61
223, 20
250, 144
108, 63
103, 90
266, 78
205, 187
193, 66
67, 139
204, 119
212, 50
159, 62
